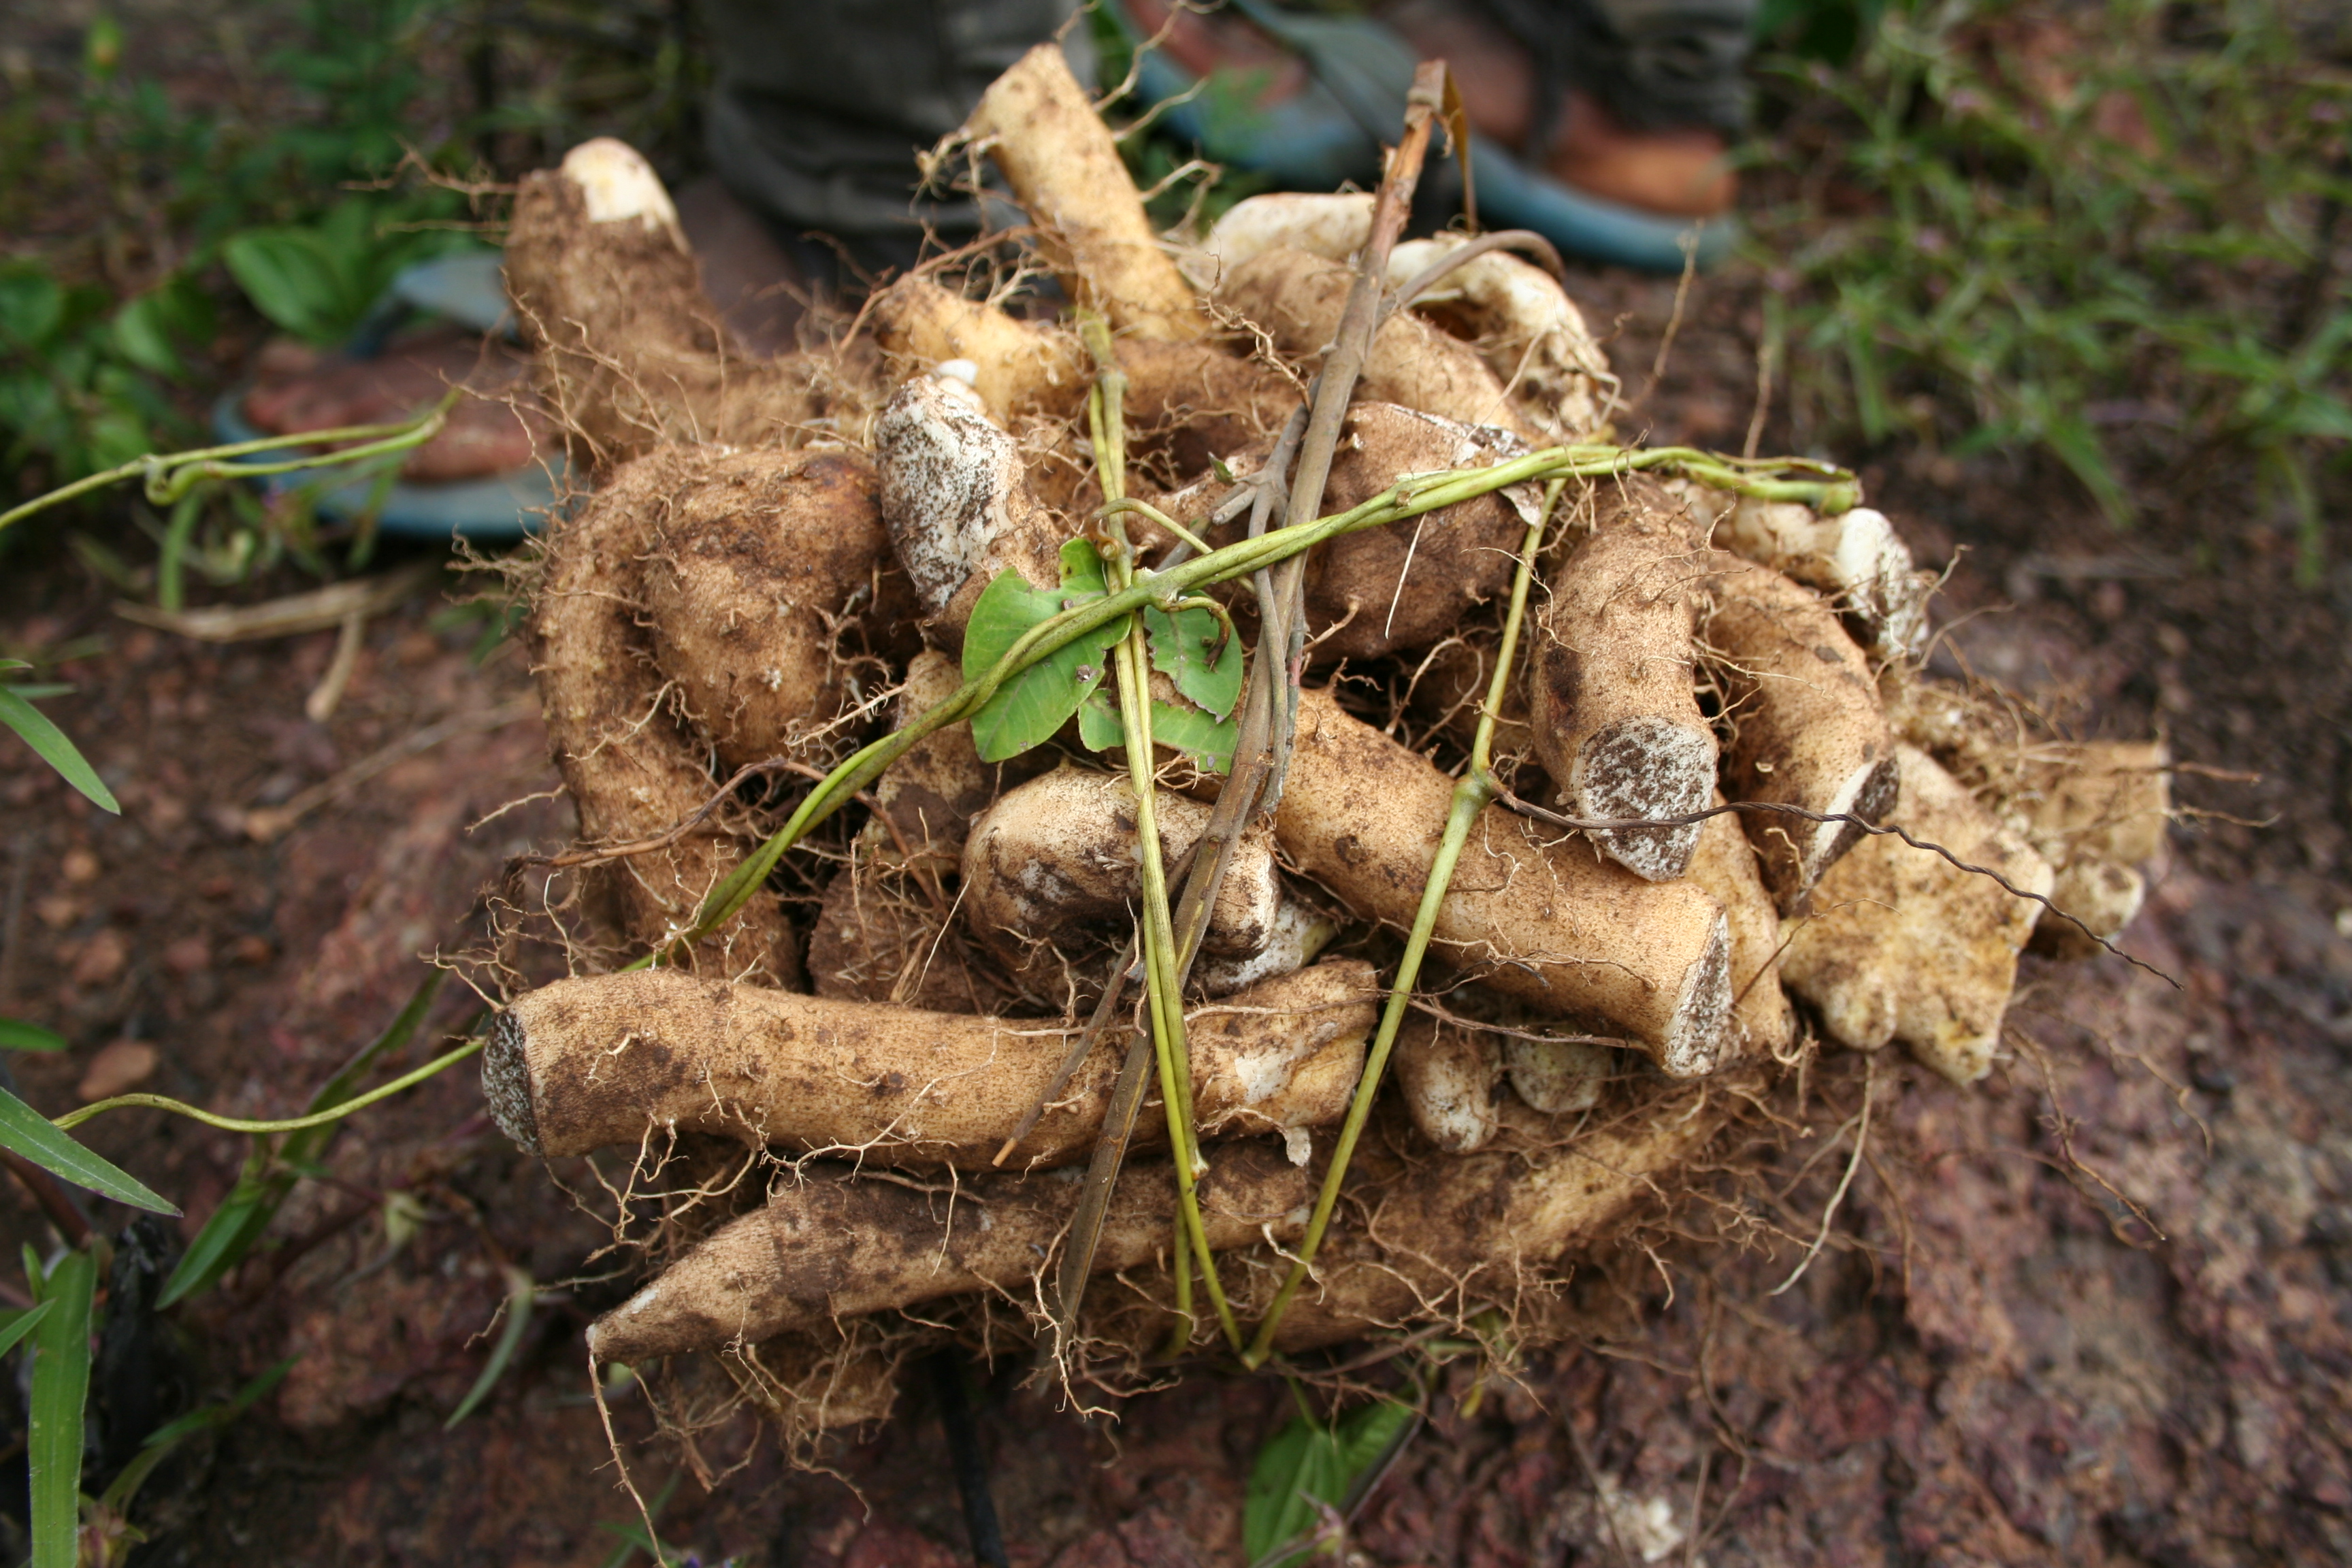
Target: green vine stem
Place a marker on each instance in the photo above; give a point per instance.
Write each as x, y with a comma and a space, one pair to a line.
73, 1118
1163, 989
171, 475
1834, 490
1472, 793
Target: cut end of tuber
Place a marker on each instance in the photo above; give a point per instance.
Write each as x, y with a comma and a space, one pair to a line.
506, 1082
617, 183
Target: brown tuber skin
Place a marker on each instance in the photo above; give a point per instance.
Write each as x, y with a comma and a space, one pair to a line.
1725, 865
831, 1245
755, 565
1616, 723
1412, 584
1063, 163
631, 351
584, 1064
1807, 727
1542, 920
1299, 297
630, 767
1055, 864
1902, 945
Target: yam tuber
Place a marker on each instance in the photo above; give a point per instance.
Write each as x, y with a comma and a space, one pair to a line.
631, 351
1616, 723
590, 1062
631, 768
1063, 163
1903, 945
1807, 727
1545, 920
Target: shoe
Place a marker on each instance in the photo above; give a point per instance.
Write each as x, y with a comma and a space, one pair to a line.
1321, 122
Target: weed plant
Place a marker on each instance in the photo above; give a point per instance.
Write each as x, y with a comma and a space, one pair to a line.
2104, 232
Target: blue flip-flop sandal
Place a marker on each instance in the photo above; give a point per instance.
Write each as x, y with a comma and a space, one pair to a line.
469, 290
1332, 132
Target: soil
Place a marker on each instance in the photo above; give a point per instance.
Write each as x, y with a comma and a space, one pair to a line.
2097, 1310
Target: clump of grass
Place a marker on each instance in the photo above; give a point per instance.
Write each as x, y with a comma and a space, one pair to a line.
2105, 233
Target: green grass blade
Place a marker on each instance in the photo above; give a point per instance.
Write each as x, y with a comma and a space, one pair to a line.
15, 1035
19, 1323
226, 1239
61, 1392
55, 749
521, 1291
27, 1132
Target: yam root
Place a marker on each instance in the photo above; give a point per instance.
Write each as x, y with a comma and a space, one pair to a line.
1334, 228
1383, 590
1616, 722
1053, 871
1807, 727
1725, 865
2096, 811
1901, 945
1556, 1078
1545, 920
1419, 1239
1018, 367
1297, 299
1527, 329
829, 1246
755, 567
957, 500
631, 768
1063, 163
1855, 559
584, 1064
631, 351
1451, 1080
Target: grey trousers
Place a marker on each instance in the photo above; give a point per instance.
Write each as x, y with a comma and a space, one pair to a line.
819, 109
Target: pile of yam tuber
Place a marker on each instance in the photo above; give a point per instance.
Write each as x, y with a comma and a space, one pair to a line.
877, 921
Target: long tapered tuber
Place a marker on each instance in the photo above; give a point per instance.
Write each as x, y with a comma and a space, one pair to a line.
1541, 919
587, 1063
1063, 166
631, 351
1807, 727
631, 768
831, 1246
1616, 723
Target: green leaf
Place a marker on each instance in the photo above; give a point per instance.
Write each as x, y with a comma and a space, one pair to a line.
55, 749
61, 1392
228, 1235
141, 337
292, 277
1207, 739
1307, 1463
1031, 706
224, 1411
15, 1035
27, 1132
1294, 1471
1099, 726
18, 1323
1192, 648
